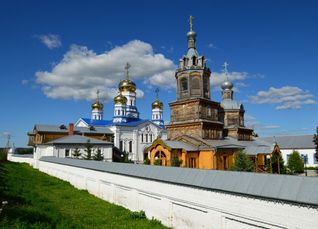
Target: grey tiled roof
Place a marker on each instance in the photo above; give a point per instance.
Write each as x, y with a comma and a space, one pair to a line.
296, 189
253, 147
57, 129
229, 104
180, 145
292, 142
77, 139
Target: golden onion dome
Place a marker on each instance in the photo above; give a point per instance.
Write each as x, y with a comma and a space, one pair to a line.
127, 85
157, 104
120, 99
97, 105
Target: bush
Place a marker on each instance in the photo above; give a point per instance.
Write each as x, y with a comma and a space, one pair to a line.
147, 161
3, 155
98, 156
156, 162
295, 164
242, 162
24, 151
277, 164
138, 215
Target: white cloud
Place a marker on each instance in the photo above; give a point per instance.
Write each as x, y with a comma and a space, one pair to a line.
50, 40
212, 46
82, 71
286, 97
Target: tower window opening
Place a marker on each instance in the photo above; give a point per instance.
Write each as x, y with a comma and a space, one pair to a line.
184, 84
194, 59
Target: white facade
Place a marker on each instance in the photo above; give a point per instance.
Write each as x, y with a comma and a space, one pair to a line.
307, 154
134, 139
68, 150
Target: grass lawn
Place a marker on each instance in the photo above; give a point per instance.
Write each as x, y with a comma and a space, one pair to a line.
37, 200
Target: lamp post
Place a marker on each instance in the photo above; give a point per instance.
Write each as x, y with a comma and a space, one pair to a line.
268, 157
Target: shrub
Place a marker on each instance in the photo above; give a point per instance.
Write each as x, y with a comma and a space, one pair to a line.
88, 150
156, 162
295, 164
147, 161
98, 156
76, 153
138, 215
242, 162
3, 155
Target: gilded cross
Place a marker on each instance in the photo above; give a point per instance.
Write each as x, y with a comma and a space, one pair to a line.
97, 93
157, 93
225, 65
127, 70
191, 22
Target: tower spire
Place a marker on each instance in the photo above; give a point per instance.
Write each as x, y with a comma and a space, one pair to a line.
97, 95
127, 70
191, 34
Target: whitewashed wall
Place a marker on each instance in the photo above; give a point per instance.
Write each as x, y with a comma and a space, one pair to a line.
185, 207
309, 152
28, 158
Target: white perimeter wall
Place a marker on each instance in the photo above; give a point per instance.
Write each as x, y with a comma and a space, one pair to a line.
309, 152
185, 207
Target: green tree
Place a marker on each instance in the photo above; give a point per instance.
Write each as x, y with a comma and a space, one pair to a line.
242, 162
295, 163
88, 150
76, 153
147, 161
98, 156
315, 140
175, 160
277, 163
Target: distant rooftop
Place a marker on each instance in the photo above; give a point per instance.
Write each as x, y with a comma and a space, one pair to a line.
77, 139
292, 142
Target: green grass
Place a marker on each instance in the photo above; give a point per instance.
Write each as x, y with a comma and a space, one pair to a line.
37, 200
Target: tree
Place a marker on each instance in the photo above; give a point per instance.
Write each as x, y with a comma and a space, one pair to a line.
295, 163
277, 163
315, 140
88, 150
242, 162
175, 161
76, 153
98, 156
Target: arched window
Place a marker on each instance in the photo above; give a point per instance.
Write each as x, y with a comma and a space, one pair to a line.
184, 84
194, 60
195, 83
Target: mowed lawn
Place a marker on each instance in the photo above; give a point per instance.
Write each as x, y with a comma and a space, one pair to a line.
37, 200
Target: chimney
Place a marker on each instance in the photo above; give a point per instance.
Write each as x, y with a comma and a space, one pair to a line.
71, 129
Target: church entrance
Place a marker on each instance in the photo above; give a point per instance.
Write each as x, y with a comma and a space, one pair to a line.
160, 158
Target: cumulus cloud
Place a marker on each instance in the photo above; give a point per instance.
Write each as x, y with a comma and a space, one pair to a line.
286, 97
82, 71
50, 40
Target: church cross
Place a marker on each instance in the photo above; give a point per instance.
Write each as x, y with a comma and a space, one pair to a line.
157, 93
97, 93
127, 70
225, 65
191, 22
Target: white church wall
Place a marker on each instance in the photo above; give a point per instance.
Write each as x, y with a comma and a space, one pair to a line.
309, 152
185, 207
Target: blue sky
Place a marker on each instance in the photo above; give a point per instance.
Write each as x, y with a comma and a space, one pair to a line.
56, 54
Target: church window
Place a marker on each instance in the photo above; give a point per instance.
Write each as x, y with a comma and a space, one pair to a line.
67, 153
184, 84
121, 145
209, 112
146, 137
130, 146
150, 135
194, 60
142, 137
196, 83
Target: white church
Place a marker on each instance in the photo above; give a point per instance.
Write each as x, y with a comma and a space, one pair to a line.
131, 134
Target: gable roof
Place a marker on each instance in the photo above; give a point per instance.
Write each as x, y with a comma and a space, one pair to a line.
77, 140
106, 123
292, 142
58, 129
